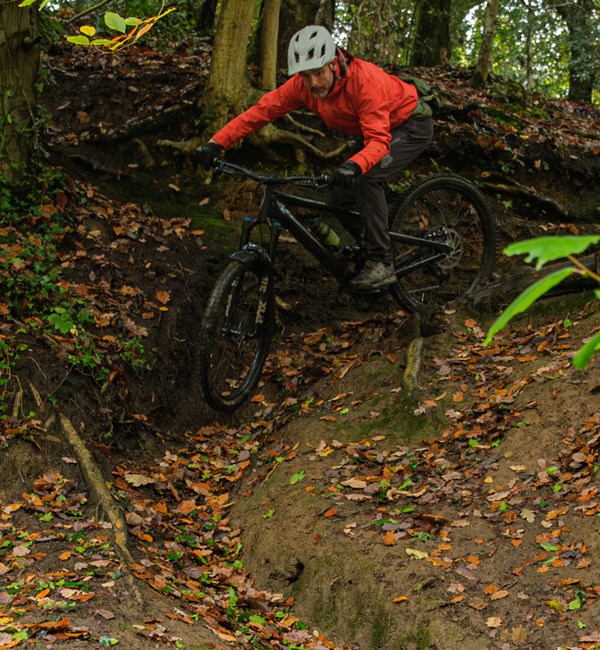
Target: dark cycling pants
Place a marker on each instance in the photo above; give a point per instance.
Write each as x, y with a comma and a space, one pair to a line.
408, 141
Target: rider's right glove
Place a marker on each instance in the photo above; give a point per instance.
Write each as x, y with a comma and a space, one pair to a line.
344, 175
205, 154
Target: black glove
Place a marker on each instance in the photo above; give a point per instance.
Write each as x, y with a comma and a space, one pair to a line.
205, 154
344, 175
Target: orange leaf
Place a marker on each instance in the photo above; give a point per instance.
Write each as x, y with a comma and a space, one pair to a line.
399, 599
389, 539
330, 512
163, 297
185, 507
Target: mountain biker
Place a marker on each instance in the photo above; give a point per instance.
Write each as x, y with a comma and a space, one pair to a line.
357, 98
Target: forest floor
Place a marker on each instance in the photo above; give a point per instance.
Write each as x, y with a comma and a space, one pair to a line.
337, 509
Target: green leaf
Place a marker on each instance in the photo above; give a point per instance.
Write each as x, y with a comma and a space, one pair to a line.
549, 547
107, 641
26, 3
114, 21
269, 513
526, 299
79, 40
88, 30
584, 356
574, 604
548, 249
297, 477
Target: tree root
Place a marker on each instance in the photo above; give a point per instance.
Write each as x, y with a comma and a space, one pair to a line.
268, 136
414, 359
99, 492
516, 189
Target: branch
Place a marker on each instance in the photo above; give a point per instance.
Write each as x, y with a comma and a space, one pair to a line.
512, 187
88, 11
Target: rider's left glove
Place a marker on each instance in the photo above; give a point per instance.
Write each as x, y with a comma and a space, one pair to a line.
205, 154
344, 175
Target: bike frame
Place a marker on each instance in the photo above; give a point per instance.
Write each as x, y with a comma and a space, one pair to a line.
275, 212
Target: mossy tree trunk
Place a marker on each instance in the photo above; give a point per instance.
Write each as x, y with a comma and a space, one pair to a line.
228, 88
19, 64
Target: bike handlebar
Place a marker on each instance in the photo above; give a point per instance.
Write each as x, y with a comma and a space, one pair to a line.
319, 182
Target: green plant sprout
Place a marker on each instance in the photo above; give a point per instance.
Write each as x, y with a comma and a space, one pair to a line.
549, 249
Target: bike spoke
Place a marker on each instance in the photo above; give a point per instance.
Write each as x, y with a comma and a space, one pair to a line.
237, 330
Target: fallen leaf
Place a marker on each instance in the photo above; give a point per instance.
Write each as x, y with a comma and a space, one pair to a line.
138, 480
389, 539
400, 599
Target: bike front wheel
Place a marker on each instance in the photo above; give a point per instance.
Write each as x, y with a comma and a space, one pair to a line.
450, 210
236, 334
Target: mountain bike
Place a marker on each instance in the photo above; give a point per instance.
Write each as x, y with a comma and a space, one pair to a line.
444, 246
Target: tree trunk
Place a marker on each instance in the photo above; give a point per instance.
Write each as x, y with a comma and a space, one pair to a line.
19, 63
484, 64
228, 90
584, 57
431, 43
296, 14
583, 33
204, 16
268, 44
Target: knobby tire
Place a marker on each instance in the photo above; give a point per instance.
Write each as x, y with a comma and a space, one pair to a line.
236, 334
450, 209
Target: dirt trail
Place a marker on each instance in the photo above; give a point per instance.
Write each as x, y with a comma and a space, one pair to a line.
333, 511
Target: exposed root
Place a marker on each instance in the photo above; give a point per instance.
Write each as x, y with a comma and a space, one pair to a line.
99, 492
414, 359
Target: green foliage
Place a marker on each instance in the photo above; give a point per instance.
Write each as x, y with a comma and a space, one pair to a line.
544, 250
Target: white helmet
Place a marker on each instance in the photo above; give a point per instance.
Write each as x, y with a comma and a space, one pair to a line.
310, 48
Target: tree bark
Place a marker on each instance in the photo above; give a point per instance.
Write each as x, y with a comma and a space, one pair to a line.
268, 44
296, 14
431, 43
19, 64
228, 89
484, 63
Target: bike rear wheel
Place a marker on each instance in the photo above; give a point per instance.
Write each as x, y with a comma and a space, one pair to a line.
236, 334
448, 209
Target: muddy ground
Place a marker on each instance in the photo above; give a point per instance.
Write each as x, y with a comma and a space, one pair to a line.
462, 511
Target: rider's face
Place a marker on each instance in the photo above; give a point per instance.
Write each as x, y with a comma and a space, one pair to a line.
319, 81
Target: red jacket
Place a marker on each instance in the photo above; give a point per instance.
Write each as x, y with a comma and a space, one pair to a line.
365, 102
